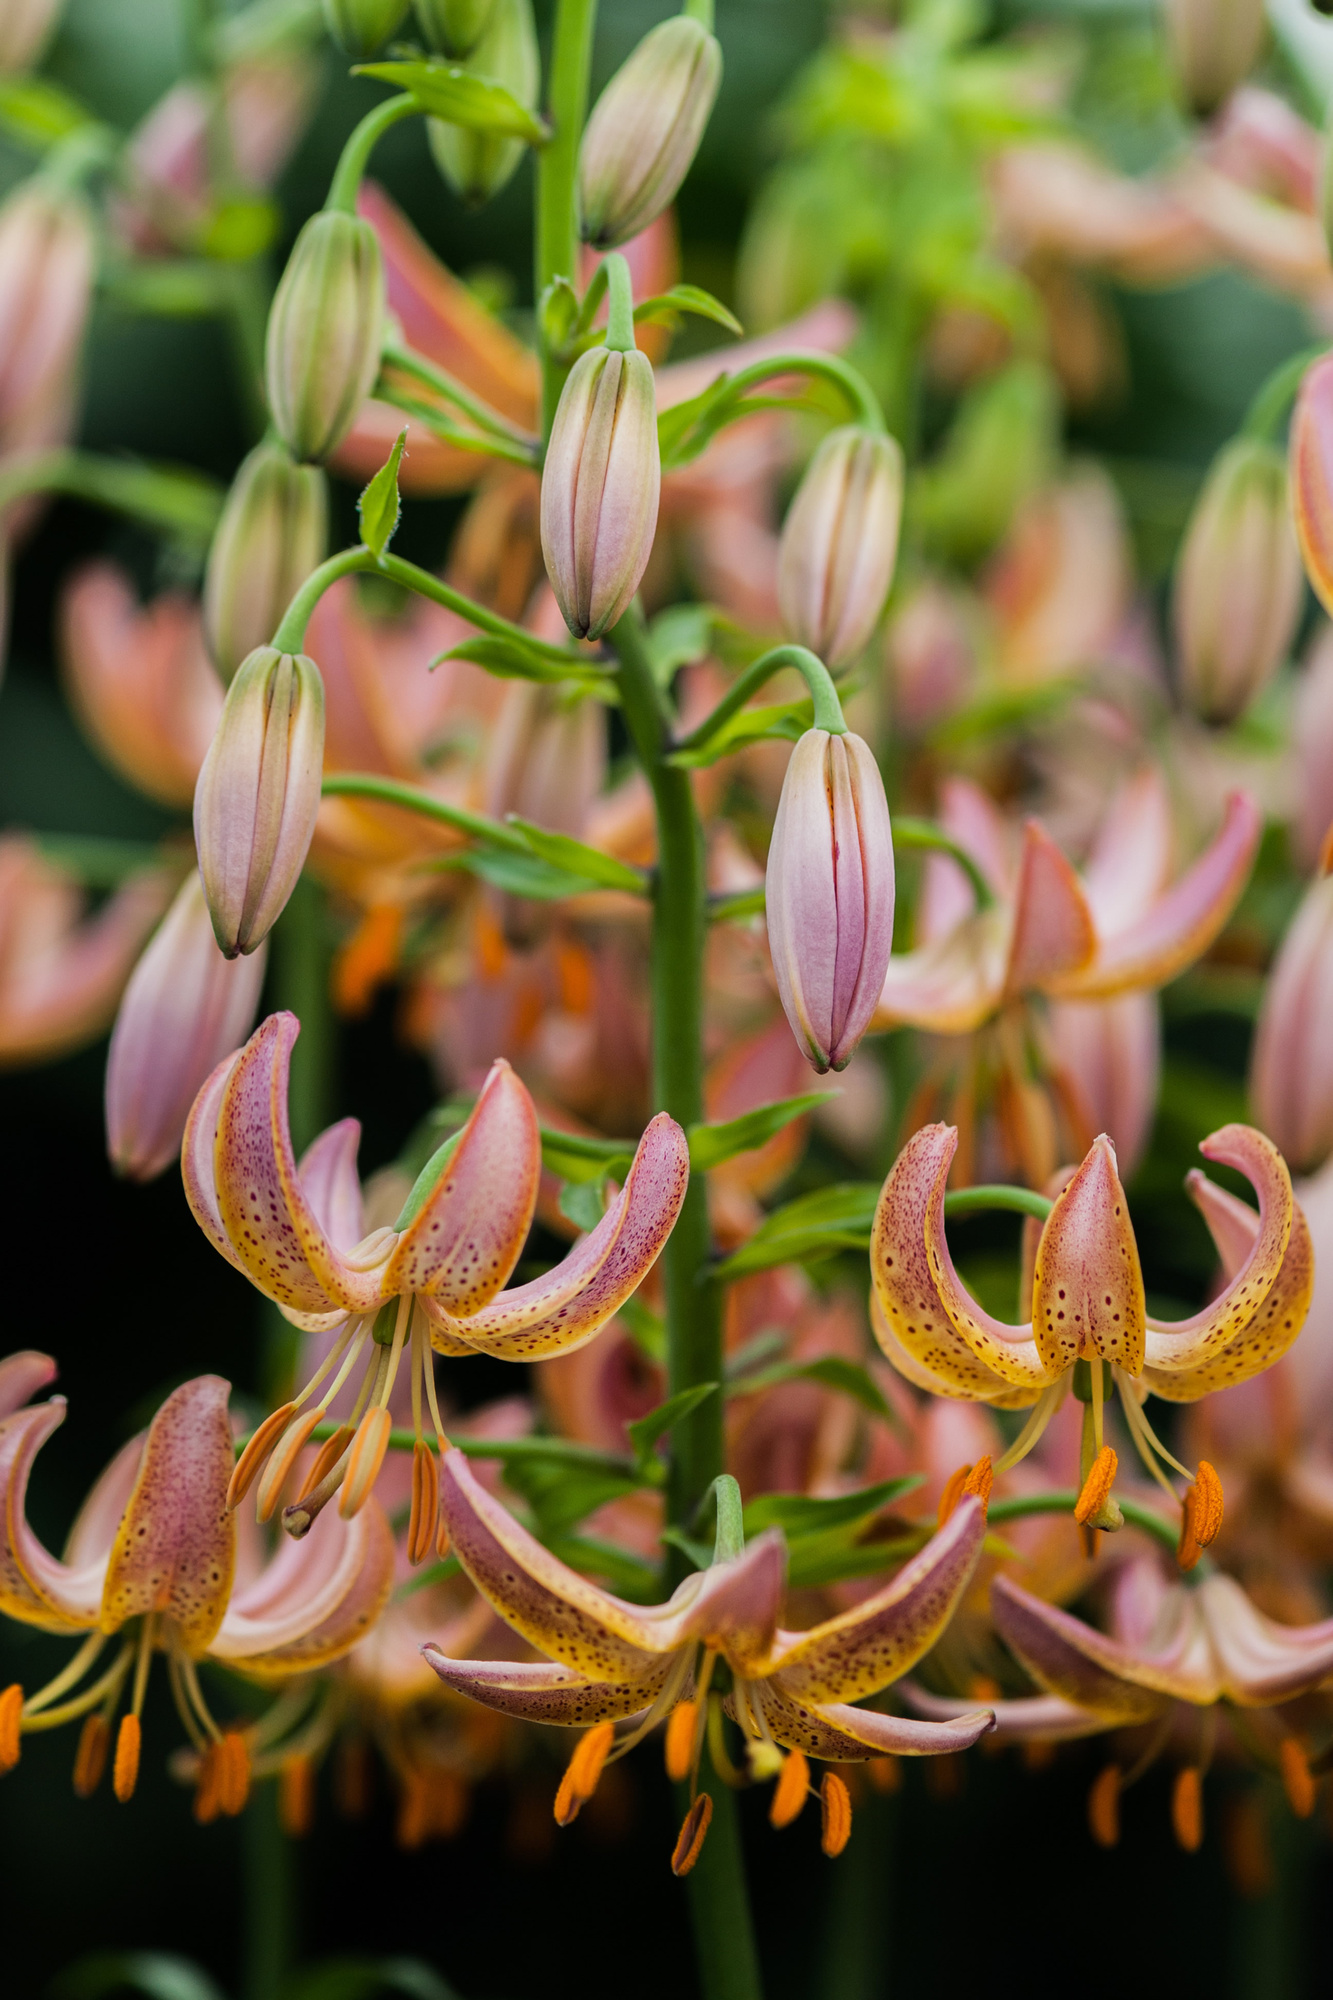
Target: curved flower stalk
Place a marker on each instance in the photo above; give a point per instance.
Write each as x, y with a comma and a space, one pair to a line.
609, 1661
1088, 1307
151, 1566
435, 1280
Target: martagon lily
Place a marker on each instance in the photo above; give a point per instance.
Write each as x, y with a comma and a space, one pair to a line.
433, 1280
1088, 1306
610, 1661
151, 1567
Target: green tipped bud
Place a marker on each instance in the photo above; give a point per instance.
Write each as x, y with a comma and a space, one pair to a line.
325, 333
271, 535
454, 27
645, 130
258, 794
600, 488
478, 164
360, 26
840, 543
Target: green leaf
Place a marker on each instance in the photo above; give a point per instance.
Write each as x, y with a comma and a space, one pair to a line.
677, 636
814, 1225
572, 1157
38, 113
368, 1979
735, 909
562, 851
645, 1431
517, 874
560, 1495
158, 1974
557, 313
834, 1371
626, 1573
710, 1145
583, 1203
687, 298
816, 1560
426, 1179
461, 98
786, 720
799, 1514
510, 659
379, 508
699, 1553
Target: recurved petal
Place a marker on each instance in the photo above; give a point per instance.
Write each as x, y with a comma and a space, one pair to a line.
470, 1230
35, 1588
1180, 925
1053, 933
951, 986
1040, 1718
313, 1600
862, 1650
571, 1303
332, 1184
849, 1735
1001, 1397
1071, 1659
175, 1551
1261, 1661
1173, 1345
1271, 1331
22, 1375
198, 1150
736, 1608
542, 1691
1008, 1351
1088, 1284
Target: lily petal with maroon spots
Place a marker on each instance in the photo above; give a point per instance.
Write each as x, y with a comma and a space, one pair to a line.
1087, 1287
1008, 1351
1266, 1337
1071, 1659
35, 1588
543, 1691
315, 1599
843, 1734
198, 1153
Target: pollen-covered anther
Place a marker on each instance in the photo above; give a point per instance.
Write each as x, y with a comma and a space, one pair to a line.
582, 1772
1187, 1809
296, 1796
233, 1774
681, 1734
954, 1487
364, 1460
90, 1757
125, 1770
979, 1481
835, 1814
1091, 1508
1200, 1516
11, 1720
1104, 1807
690, 1839
791, 1790
425, 1502
207, 1799
252, 1459
1297, 1781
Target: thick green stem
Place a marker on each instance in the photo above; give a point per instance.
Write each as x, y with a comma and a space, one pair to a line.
828, 709
268, 1916
557, 242
355, 155
1134, 1511
729, 1965
620, 313
854, 1964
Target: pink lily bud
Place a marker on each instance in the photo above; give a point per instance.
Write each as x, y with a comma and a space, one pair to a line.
1237, 593
258, 795
25, 26
1291, 1074
47, 259
1311, 464
325, 333
271, 535
840, 543
1213, 45
360, 26
453, 26
645, 130
830, 894
600, 488
184, 1009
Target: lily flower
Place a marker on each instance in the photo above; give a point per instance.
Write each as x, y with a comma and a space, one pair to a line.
610, 1661
151, 1566
1088, 1306
434, 1280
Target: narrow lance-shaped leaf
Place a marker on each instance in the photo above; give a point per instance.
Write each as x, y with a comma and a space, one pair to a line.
800, 1514
833, 1370
710, 1145
379, 507
563, 851
814, 1225
645, 1431
513, 659
687, 298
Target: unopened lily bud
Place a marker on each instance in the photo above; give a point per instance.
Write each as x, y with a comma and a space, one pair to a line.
185, 1008
1214, 45
258, 795
325, 333
453, 26
840, 542
1291, 1076
47, 263
271, 535
600, 488
477, 164
360, 26
1237, 591
830, 894
1311, 464
25, 26
645, 130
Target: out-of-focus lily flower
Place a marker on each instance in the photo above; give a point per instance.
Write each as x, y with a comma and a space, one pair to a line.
1105, 1058
546, 761
645, 128
1311, 749
1060, 584
151, 1561
185, 1008
1291, 1074
1214, 45
270, 535
61, 973
601, 484
24, 29
1261, 142
830, 894
325, 333
1052, 196
47, 263
1312, 476
840, 542
931, 653
608, 1660
433, 1280
1281, 246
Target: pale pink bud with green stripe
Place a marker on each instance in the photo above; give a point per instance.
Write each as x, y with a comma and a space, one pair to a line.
840, 543
1311, 470
325, 333
645, 130
600, 488
1237, 593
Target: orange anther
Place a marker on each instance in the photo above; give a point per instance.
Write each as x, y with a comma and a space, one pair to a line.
125, 1771
885, 1774
1187, 1809
791, 1790
979, 1482
90, 1757
425, 1502
11, 1721
835, 1814
413, 1823
353, 1775
1097, 1486
953, 1492
256, 1452
368, 959
680, 1735
1296, 1779
690, 1839
207, 1798
233, 1773
285, 1452
1104, 1807
364, 1461
1207, 1504
330, 1452
584, 1769
296, 1796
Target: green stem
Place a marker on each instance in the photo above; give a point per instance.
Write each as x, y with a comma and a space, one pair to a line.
355, 155
701, 11
828, 709
1023, 1201
829, 368
557, 239
364, 785
922, 833
444, 385
300, 978
290, 635
854, 1964
178, 502
267, 1874
620, 312
1064, 1502
490, 445
1265, 415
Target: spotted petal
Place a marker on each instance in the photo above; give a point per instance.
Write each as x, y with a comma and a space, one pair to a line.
951, 985
35, 1588
543, 1691
1087, 1288
1041, 1718
1053, 934
842, 1734
197, 1159
1071, 1659
313, 1600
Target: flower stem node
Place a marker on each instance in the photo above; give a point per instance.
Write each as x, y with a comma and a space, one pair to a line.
600, 488
840, 543
325, 334
690, 1839
645, 129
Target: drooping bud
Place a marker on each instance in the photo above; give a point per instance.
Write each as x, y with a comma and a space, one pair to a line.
1291, 1074
1237, 591
1213, 46
645, 129
478, 164
1311, 464
271, 534
600, 488
185, 1008
258, 795
840, 542
325, 333
47, 263
830, 894
453, 26
360, 26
